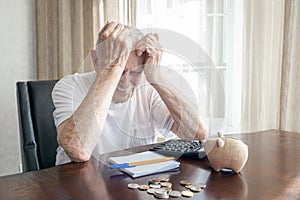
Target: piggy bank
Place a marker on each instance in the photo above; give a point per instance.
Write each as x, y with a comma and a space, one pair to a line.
226, 152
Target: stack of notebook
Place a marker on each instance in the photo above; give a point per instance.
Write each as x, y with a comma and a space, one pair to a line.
145, 169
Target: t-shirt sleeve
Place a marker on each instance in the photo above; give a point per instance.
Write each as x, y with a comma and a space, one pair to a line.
160, 114
62, 96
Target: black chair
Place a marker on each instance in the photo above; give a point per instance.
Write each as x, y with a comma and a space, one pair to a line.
37, 129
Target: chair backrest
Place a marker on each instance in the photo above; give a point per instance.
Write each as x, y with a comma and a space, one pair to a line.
37, 129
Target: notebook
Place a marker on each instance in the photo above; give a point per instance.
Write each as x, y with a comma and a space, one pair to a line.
143, 170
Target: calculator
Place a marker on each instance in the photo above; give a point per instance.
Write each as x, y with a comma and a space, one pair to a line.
181, 148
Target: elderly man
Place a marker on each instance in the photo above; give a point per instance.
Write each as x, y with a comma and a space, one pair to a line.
109, 109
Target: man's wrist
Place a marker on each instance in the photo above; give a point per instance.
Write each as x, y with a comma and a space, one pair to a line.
154, 78
110, 68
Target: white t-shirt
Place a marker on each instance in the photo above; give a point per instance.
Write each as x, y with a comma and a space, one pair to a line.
129, 124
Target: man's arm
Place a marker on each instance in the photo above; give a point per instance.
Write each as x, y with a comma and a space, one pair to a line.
79, 134
187, 123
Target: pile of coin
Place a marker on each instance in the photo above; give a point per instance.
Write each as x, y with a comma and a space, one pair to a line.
161, 188
161, 193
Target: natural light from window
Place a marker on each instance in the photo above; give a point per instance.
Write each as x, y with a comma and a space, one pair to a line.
216, 27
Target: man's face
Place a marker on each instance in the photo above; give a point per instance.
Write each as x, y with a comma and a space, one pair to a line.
130, 78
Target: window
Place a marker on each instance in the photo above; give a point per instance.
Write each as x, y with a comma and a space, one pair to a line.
209, 33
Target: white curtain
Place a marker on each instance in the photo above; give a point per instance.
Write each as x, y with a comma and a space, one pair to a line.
270, 79
261, 80
290, 89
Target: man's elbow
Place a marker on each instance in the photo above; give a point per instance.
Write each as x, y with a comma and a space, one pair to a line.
201, 134
76, 154
75, 151
80, 157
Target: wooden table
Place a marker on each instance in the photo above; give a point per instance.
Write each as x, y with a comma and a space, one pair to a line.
272, 172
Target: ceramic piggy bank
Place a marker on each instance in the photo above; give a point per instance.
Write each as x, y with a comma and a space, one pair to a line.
226, 152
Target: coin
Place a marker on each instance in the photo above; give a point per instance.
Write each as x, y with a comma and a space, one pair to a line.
188, 186
133, 185
187, 193
166, 184
184, 182
166, 196
160, 190
164, 179
196, 188
161, 193
155, 181
168, 189
151, 190
156, 186
174, 193
202, 185
143, 187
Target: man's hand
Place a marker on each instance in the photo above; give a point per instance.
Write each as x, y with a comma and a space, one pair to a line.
150, 46
115, 47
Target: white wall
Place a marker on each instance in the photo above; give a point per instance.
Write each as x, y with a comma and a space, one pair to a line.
17, 62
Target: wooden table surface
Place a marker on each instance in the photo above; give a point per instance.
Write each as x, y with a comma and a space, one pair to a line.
272, 172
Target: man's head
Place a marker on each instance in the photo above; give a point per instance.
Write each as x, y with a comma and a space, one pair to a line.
133, 70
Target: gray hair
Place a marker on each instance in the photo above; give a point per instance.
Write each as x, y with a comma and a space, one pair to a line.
134, 33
